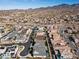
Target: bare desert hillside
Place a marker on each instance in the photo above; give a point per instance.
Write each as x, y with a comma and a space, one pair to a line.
61, 23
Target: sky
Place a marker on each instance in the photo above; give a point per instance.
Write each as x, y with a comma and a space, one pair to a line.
25, 4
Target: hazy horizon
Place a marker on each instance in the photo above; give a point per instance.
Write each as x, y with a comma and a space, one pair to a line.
26, 4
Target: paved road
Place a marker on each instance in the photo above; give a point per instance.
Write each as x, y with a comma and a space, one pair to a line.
5, 35
26, 49
27, 46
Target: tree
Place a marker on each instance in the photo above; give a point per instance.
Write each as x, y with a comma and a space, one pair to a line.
31, 51
58, 54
